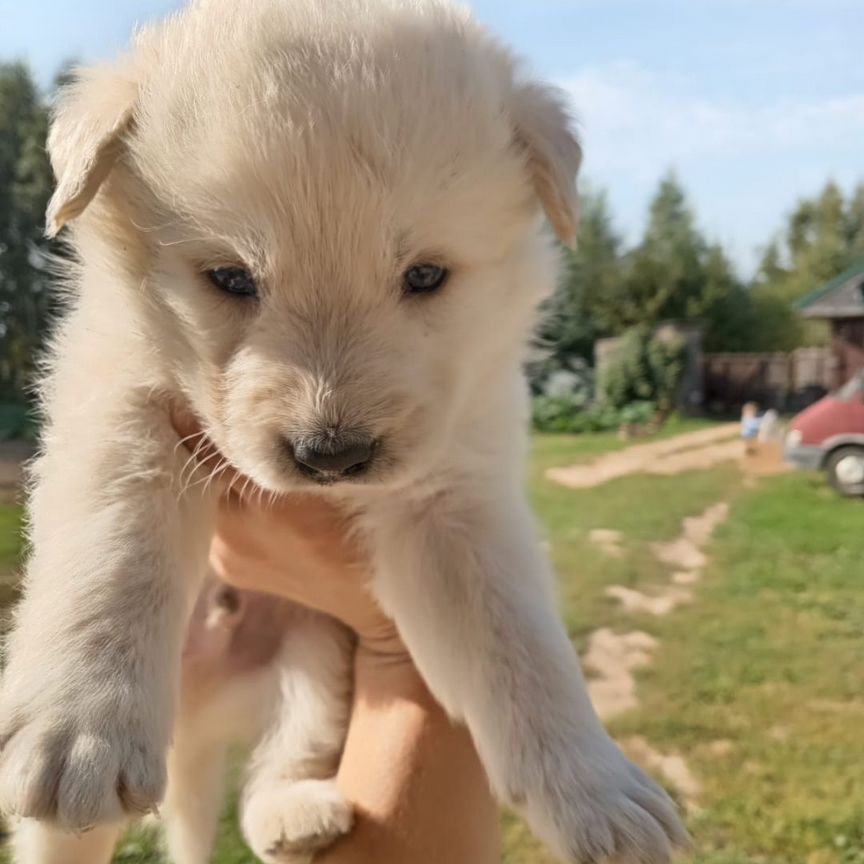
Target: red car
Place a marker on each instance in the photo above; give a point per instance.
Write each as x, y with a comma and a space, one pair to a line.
829, 436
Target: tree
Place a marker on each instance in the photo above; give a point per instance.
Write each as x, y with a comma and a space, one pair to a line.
855, 223
666, 277
607, 291
728, 312
775, 324
770, 269
646, 367
25, 186
818, 244
578, 313
674, 273
823, 237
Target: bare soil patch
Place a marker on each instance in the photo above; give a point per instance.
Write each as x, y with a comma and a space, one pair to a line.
686, 452
672, 766
608, 541
685, 552
662, 602
13, 455
612, 658
610, 662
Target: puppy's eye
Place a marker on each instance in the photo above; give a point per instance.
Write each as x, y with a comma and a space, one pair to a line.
424, 278
233, 280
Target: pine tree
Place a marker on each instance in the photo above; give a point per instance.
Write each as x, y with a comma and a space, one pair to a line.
25, 185
855, 224
580, 311
817, 243
666, 277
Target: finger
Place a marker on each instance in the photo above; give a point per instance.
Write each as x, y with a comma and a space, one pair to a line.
183, 420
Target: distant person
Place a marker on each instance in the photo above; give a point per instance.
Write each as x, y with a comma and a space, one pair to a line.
750, 423
757, 429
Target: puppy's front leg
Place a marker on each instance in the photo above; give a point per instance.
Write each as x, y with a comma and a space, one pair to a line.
468, 586
87, 699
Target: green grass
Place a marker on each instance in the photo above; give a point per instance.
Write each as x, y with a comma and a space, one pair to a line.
10, 550
767, 657
645, 508
10, 535
551, 450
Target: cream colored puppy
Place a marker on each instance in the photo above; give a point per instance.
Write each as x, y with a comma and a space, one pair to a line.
256, 670
318, 225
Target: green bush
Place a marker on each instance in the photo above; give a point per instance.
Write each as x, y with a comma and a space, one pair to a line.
638, 387
568, 414
549, 376
667, 360
637, 414
646, 368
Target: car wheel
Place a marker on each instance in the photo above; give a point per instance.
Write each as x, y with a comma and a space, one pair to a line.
845, 469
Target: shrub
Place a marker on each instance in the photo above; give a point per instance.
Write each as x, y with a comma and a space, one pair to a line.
646, 368
566, 414
638, 387
548, 376
667, 360
638, 414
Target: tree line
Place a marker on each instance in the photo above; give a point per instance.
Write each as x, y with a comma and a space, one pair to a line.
25, 186
673, 273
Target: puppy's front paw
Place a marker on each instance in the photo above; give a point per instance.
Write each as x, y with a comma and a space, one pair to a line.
287, 823
602, 808
77, 769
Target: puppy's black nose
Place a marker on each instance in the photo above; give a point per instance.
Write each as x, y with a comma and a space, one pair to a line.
327, 459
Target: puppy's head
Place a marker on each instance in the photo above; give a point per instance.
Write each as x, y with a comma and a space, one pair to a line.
330, 221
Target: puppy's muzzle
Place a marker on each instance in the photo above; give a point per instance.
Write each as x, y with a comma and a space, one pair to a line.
334, 456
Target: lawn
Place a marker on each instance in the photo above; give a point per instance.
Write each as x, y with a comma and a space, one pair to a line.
10, 549
767, 660
758, 683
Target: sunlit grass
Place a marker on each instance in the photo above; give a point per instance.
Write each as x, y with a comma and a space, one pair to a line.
768, 657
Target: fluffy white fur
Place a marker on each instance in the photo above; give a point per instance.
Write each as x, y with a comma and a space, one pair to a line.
288, 697
327, 147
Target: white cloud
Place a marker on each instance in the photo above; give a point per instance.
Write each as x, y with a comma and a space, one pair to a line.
631, 116
746, 164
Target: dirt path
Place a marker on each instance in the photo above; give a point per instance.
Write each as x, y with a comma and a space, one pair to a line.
613, 658
672, 766
685, 552
688, 452
608, 541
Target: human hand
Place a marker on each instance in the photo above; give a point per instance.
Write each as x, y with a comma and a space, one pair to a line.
419, 791
296, 546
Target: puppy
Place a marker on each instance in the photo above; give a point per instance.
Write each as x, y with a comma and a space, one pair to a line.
318, 226
255, 671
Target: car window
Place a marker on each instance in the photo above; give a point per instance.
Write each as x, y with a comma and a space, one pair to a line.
852, 390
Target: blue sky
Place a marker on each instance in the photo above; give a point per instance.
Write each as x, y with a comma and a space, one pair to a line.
755, 103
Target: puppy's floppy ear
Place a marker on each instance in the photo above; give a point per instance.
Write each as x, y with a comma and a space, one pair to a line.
544, 130
91, 118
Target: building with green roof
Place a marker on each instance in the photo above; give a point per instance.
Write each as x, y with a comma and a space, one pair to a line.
841, 303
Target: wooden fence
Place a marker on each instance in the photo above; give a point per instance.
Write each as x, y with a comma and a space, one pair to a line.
785, 381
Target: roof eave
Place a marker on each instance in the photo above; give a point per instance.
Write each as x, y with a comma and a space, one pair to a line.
816, 295
832, 314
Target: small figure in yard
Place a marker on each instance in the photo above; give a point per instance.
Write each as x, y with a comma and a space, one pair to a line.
750, 423
768, 426
757, 429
